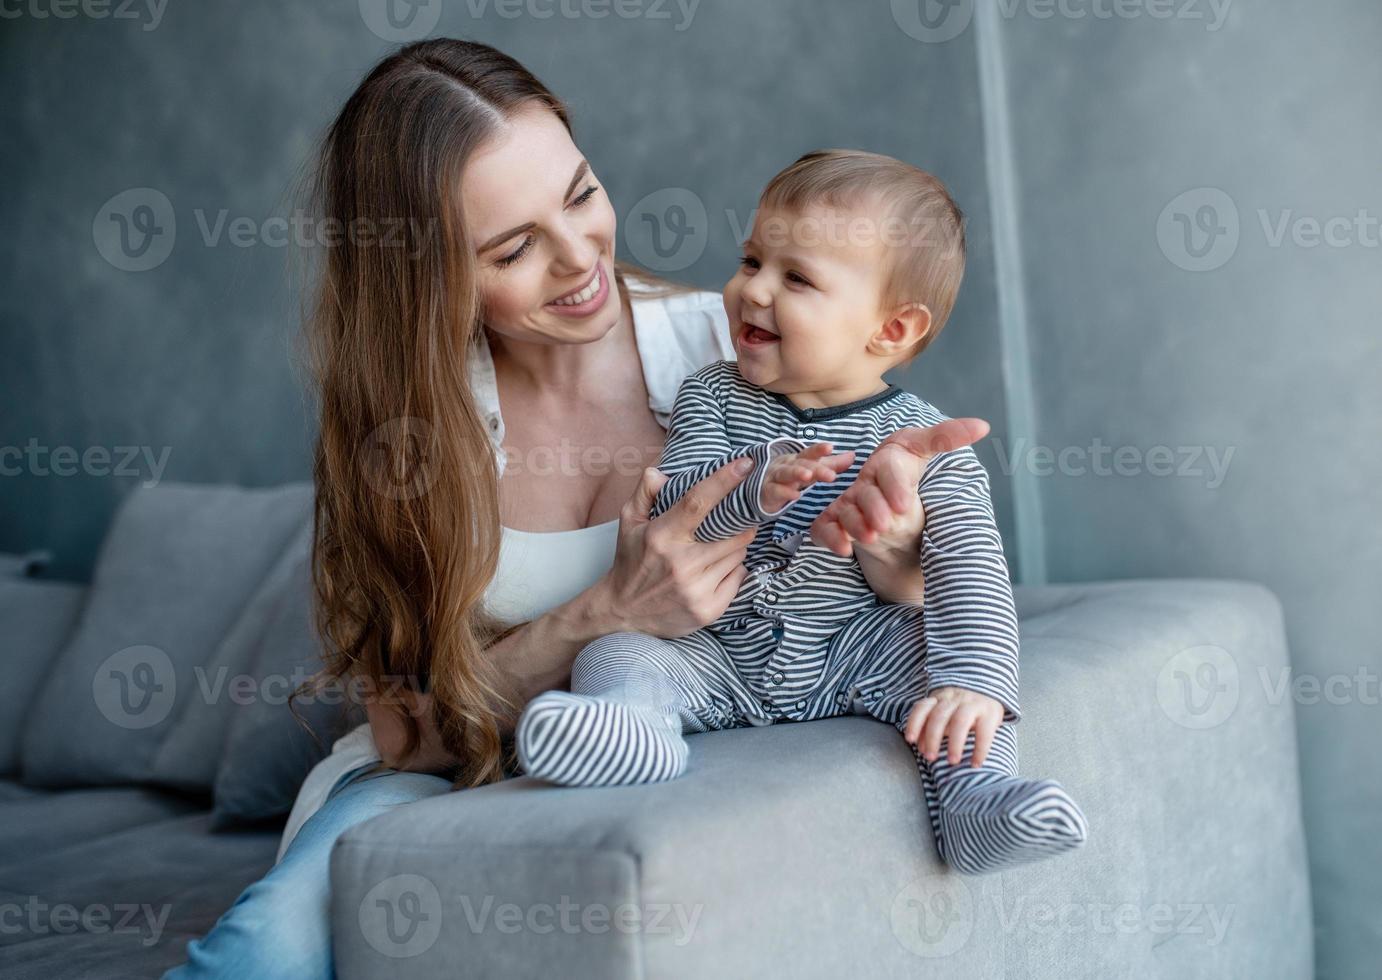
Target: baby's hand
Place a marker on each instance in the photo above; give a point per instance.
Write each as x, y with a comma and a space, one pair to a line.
791, 473
881, 510
952, 712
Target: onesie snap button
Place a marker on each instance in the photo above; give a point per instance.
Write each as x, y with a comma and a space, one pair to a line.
769, 596
809, 432
778, 677
801, 705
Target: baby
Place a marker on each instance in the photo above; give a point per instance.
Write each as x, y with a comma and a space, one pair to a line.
851, 269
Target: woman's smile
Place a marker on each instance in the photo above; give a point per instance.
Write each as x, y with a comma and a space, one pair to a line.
582, 302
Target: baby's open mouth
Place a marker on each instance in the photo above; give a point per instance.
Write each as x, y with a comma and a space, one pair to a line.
756, 336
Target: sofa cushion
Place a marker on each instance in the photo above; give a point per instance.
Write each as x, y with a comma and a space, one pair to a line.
163, 882
27, 565
37, 821
272, 745
94, 955
36, 618
228, 684
12, 790
175, 573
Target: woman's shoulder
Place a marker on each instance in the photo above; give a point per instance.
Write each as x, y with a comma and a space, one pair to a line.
678, 334
694, 319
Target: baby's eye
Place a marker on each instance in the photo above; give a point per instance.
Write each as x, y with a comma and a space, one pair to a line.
798, 278
748, 262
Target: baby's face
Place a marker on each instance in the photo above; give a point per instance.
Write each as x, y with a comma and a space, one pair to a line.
805, 303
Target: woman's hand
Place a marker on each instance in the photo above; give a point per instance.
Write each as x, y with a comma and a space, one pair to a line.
664, 582
389, 734
880, 513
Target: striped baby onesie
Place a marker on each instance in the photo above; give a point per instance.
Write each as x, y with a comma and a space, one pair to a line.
805, 589
806, 638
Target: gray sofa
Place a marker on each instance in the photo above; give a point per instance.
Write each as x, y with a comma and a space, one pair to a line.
137, 801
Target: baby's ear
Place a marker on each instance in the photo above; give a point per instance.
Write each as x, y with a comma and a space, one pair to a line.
901, 330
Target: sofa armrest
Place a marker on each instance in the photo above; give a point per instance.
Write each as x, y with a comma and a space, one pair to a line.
764, 825
1158, 703
804, 850
36, 618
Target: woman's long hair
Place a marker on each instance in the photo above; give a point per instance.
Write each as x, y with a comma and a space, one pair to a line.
407, 525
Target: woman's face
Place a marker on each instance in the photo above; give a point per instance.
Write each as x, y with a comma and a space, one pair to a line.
544, 230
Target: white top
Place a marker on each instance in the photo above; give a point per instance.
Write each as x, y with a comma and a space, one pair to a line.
676, 336
539, 570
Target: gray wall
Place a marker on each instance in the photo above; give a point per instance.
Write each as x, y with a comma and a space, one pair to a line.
217, 108
1273, 355
1064, 139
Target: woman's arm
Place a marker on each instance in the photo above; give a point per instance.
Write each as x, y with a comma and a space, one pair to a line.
534, 658
664, 582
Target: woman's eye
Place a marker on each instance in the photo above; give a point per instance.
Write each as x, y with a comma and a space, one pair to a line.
516, 254
522, 250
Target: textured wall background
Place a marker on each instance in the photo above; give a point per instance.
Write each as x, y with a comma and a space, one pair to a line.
1270, 354
1114, 299
219, 107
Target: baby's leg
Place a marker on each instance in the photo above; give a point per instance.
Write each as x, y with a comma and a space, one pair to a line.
631, 697
991, 819
985, 819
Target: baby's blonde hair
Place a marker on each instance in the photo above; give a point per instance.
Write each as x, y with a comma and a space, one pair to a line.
923, 227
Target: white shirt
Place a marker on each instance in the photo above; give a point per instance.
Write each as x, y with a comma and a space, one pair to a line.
676, 336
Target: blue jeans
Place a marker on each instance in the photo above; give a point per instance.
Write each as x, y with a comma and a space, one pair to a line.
280, 926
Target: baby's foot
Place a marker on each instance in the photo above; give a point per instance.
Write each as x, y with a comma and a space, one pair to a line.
577, 740
999, 822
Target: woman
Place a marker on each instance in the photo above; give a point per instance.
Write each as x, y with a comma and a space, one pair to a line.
456, 551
